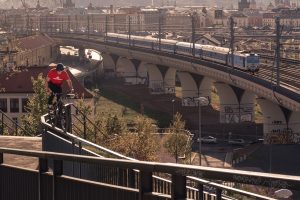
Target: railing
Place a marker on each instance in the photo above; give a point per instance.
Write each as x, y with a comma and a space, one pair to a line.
11, 127
65, 142
46, 184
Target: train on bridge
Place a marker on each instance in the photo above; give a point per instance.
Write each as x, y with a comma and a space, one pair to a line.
241, 60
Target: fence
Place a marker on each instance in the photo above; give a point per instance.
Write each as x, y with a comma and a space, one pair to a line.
53, 184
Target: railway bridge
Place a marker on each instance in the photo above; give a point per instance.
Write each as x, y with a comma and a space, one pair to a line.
237, 89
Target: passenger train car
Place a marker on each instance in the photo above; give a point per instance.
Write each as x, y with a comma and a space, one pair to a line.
241, 60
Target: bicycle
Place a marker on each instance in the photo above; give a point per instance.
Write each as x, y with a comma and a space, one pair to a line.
57, 113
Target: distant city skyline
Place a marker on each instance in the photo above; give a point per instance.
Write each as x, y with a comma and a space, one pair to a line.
79, 3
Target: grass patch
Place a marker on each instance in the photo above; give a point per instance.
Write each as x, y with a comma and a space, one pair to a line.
112, 102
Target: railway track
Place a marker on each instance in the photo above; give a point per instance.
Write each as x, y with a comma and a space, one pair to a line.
284, 60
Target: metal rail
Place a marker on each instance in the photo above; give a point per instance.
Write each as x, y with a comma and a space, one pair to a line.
179, 175
11, 127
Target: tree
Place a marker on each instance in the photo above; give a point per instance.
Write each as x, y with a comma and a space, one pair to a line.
146, 147
141, 144
84, 128
114, 126
178, 142
36, 107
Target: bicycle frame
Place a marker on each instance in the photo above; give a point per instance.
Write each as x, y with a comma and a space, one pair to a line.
57, 114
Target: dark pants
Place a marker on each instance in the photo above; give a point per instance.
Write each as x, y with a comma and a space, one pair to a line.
56, 90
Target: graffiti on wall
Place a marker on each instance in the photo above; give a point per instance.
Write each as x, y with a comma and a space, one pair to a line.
237, 114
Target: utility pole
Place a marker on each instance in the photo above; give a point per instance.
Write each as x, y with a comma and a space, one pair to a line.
76, 23
277, 56
106, 26
193, 15
15, 23
27, 24
69, 23
88, 24
159, 29
231, 21
129, 29
47, 24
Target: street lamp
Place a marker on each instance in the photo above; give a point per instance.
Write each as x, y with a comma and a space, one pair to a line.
176, 149
173, 107
96, 99
202, 101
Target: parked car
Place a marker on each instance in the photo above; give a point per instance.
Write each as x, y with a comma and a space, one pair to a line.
260, 140
236, 141
208, 139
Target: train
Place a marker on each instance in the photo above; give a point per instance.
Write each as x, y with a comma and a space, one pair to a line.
241, 60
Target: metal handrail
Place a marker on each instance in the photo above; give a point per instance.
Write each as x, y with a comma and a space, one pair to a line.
245, 177
82, 141
86, 118
16, 125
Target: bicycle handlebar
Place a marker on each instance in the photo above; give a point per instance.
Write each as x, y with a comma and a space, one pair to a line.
68, 95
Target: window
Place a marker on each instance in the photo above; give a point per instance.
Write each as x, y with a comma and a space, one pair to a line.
14, 105
24, 105
3, 105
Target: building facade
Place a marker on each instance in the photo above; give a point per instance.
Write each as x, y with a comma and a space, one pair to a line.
16, 88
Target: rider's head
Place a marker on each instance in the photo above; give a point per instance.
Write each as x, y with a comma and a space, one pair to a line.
60, 67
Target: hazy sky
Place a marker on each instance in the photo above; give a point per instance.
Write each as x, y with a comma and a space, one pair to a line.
218, 3
84, 3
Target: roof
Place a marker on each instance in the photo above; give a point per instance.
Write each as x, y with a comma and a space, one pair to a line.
34, 42
211, 39
20, 81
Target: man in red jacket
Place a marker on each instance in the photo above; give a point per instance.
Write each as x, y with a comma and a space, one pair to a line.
54, 81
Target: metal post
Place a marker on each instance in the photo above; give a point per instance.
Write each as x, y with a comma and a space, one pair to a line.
43, 167
199, 131
106, 26
173, 108
84, 126
159, 30
176, 138
218, 194
129, 29
178, 187
231, 21
88, 24
76, 23
131, 178
278, 36
57, 171
79, 151
68, 116
145, 183
1, 158
200, 189
16, 127
69, 23
2, 124
193, 33
27, 24
47, 24
40, 24
176, 148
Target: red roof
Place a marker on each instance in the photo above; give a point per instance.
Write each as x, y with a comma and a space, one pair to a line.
20, 81
34, 42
